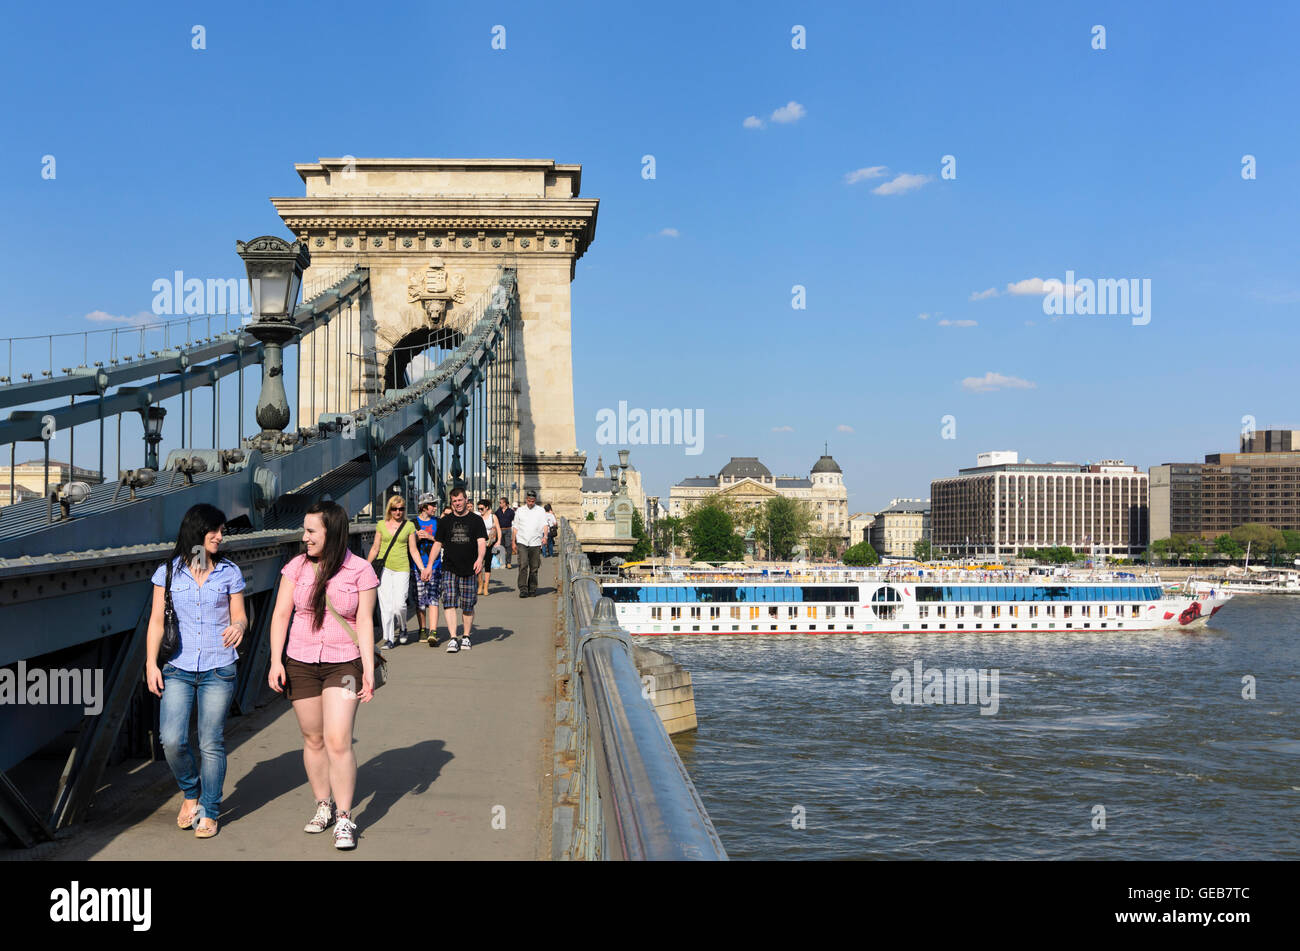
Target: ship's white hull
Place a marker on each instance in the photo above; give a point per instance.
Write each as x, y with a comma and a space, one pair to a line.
904, 608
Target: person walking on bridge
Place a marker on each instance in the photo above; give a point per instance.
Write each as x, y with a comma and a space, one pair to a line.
552, 526
206, 593
428, 582
529, 534
493, 545
461, 539
328, 665
505, 516
397, 536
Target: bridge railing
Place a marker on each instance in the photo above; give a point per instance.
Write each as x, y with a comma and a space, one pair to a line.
622, 792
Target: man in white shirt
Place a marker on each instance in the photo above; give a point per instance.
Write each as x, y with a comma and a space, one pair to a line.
528, 532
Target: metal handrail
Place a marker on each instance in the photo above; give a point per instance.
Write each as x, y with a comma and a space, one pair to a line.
648, 807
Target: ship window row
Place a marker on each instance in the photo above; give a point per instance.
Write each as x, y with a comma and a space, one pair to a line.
930, 593
730, 594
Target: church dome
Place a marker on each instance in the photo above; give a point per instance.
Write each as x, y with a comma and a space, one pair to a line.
826, 464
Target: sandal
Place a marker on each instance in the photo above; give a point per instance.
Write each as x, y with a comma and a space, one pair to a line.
206, 828
186, 820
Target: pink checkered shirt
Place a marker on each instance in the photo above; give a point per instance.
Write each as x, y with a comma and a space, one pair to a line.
330, 644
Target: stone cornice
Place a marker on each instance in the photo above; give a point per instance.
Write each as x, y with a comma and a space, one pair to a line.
410, 214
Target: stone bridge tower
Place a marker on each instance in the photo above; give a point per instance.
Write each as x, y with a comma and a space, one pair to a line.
433, 233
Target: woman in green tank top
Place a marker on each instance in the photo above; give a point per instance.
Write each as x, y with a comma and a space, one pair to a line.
396, 536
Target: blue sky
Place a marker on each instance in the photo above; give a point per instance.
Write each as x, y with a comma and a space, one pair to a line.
1117, 163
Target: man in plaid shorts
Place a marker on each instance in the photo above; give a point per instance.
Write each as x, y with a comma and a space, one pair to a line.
428, 574
461, 540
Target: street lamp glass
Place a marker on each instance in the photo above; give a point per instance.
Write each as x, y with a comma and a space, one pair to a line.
153, 420
274, 274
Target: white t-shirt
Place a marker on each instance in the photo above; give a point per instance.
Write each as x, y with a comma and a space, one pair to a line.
530, 525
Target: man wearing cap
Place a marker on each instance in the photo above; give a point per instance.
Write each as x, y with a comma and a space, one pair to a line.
528, 532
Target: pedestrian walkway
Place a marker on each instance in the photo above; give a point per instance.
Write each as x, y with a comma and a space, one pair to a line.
453, 755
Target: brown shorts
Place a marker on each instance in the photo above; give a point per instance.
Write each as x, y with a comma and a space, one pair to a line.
304, 681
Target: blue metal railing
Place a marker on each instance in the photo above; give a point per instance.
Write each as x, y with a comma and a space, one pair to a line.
622, 791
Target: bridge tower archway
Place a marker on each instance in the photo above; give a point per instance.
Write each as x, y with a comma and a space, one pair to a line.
433, 234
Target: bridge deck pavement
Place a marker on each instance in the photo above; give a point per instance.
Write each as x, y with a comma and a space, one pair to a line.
448, 739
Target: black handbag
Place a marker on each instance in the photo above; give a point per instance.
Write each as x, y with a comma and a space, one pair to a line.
379, 565
171, 639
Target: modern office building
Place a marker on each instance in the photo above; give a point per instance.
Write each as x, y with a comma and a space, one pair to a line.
1261, 483
1001, 506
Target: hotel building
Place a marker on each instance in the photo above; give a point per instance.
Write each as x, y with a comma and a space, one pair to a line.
1261, 483
1001, 506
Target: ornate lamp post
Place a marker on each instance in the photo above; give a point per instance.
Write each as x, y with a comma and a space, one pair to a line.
275, 274
457, 437
492, 456
153, 420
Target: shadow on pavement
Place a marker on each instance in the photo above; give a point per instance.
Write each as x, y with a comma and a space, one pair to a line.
392, 774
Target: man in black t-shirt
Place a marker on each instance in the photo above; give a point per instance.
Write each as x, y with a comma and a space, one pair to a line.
505, 518
461, 539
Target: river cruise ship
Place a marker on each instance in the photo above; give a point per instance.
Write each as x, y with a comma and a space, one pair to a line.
875, 601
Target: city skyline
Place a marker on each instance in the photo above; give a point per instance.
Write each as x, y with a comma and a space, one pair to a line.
791, 261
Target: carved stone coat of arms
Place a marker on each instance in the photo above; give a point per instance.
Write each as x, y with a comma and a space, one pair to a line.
433, 289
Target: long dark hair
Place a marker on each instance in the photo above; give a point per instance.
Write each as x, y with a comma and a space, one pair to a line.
195, 525
331, 558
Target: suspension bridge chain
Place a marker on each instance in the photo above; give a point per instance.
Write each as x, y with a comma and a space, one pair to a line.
352, 449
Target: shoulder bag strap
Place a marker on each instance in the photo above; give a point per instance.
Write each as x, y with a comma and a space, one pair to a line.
338, 617
391, 543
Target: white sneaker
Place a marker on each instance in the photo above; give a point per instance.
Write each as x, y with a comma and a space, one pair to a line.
452, 646
323, 819
465, 644
345, 833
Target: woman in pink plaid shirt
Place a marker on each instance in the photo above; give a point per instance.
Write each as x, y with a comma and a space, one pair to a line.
330, 595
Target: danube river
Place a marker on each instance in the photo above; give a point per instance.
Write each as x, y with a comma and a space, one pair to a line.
1133, 745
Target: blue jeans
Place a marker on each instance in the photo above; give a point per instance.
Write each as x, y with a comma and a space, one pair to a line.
215, 689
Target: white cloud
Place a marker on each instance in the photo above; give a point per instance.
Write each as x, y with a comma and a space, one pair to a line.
984, 295
922, 316
904, 182
862, 174
841, 428
1030, 285
958, 323
752, 122
135, 320
995, 381
782, 429
790, 112
669, 233
1036, 285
